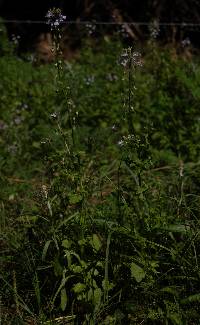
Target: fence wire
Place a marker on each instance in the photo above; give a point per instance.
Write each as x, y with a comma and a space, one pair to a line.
79, 22
28, 31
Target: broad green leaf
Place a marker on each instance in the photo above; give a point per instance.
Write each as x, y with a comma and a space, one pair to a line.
82, 242
75, 198
192, 298
106, 285
137, 272
79, 287
63, 298
76, 268
96, 243
66, 243
36, 144
100, 264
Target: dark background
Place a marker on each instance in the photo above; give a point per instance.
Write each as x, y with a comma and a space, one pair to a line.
187, 11
142, 10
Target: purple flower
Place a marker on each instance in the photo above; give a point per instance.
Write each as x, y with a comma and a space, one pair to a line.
129, 58
55, 18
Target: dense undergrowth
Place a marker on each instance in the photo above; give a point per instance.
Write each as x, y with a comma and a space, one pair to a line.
100, 189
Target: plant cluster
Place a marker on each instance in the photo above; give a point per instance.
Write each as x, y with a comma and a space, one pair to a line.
100, 188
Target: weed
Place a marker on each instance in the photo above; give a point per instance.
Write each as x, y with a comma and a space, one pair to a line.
100, 177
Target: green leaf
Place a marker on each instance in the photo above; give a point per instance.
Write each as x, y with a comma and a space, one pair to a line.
36, 144
97, 296
137, 272
45, 249
106, 285
177, 228
76, 268
58, 269
175, 318
192, 298
96, 243
79, 287
66, 243
27, 219
69, 259
172, 290
63, 298
74, 198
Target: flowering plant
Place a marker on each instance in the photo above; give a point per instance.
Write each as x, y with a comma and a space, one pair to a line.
55, 18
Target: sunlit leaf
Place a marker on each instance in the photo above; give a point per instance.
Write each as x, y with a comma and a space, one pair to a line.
75, 198
137, 272
96, 243
66, 243
79, 287
192, 298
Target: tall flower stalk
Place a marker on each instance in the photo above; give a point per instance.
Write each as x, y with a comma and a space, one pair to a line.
135, 146
130, 59
55, 19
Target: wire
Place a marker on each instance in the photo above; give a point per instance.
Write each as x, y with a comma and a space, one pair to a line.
71, 22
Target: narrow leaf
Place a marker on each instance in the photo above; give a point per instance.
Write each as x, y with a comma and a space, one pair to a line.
63, 297
45, 249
